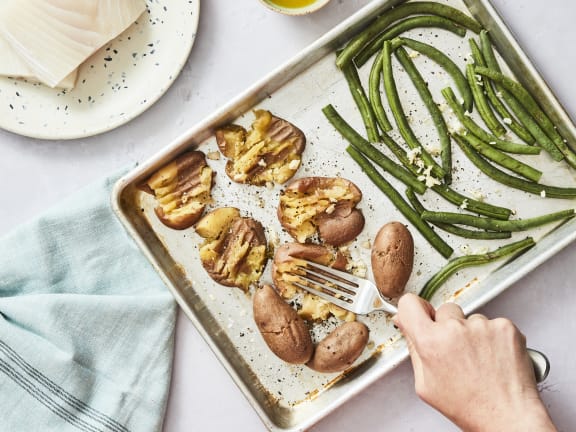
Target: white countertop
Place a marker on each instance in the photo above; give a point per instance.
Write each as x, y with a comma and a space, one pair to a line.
238, 43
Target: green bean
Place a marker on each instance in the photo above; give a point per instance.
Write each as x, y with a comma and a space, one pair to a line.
399, 152
445, 62
399, 115
482, 105
471, 204
403, 26
494, 224
388, 17
459, 263
514, 182
426, 96
502, 159
456, 230
499, 107
476, 130
523, 96
524, 116
429, 234
375, 97
526, 119
359, 96
370, 151
530, 104
492, 63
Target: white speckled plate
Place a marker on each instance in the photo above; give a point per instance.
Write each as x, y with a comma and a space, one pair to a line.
116, 84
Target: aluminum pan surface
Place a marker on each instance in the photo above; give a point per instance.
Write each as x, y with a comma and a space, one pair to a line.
293, 397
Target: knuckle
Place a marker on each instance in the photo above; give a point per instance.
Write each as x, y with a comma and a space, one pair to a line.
504, 324
508, 328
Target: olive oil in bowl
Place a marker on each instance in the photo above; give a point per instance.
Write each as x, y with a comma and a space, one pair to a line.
295, 7
293, 3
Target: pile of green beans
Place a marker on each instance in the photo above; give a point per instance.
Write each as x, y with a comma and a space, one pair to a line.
503, 105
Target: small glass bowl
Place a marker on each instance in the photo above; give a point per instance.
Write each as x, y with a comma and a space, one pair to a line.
307, 7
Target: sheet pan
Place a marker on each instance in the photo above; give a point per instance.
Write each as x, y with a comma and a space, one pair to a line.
292, 398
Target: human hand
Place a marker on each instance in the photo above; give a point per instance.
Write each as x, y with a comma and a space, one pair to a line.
473, 370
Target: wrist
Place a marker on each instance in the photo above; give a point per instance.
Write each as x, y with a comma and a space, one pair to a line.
527, 414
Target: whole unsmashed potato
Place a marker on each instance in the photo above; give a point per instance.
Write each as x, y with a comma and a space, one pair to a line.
270, 152
284, 273
285, 333
321, 205
392, 259
182, 189
340, 349
235, 250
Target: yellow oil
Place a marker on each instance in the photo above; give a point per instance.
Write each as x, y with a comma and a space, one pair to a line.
292, 3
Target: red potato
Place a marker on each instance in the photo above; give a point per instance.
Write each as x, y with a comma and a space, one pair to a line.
270, 152
340, 349
321, 205
234, 252
182, 189
392, 259
285, 333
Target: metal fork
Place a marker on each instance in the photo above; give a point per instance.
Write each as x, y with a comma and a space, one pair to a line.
343, 289
361, 296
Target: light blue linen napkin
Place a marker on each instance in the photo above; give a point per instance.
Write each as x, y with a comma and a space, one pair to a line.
86, 325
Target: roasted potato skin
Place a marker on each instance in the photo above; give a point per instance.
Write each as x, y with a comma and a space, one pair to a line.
341, 226
235, 250
285, 333
340, 349
392, 258
329, 206
182, 189
270, 152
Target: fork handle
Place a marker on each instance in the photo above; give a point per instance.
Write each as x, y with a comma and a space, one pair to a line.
387, 307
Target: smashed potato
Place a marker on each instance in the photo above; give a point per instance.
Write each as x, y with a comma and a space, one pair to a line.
182, 189
287, 257
321, 205
270, 152
234, 252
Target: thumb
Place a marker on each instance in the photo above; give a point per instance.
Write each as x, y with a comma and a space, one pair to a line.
415, 315
414, 318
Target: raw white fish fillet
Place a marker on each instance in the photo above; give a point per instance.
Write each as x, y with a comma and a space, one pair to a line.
53, 37
11, 65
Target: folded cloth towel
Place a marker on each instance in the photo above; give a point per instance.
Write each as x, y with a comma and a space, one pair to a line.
86, 325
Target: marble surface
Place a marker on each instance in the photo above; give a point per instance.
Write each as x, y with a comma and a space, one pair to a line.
253, 40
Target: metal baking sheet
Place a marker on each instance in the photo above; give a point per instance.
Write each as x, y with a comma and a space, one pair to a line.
292, 398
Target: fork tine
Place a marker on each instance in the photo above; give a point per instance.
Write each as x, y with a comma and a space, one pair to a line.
346, 277
323, 295
329, 282
329, 289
